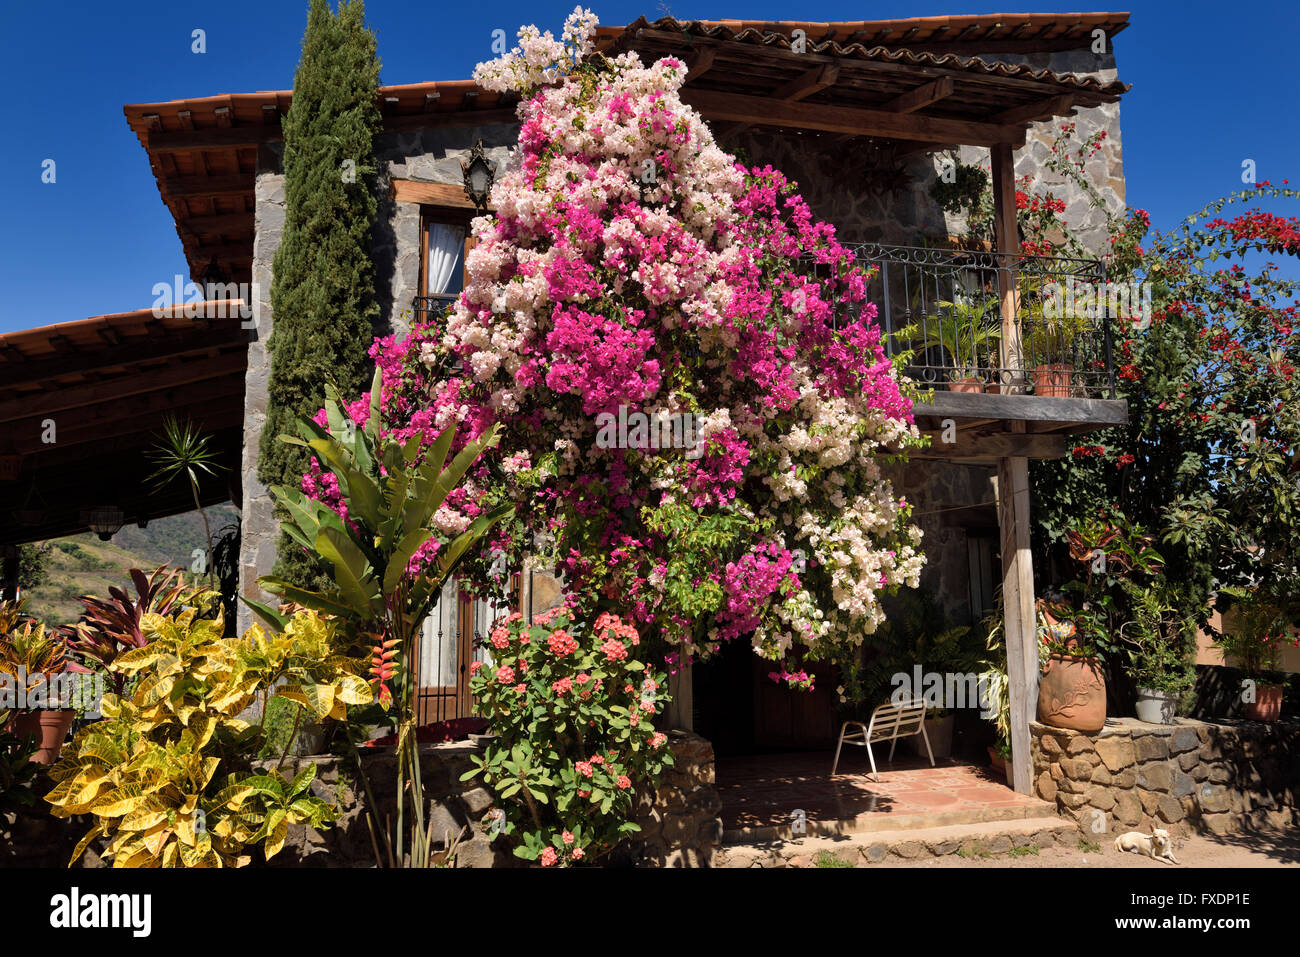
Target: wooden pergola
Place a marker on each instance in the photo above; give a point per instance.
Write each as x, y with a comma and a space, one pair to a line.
81, 403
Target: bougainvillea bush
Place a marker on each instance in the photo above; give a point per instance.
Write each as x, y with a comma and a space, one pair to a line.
573, 711
632, 269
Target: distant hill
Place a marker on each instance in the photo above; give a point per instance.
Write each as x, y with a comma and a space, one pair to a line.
83, 565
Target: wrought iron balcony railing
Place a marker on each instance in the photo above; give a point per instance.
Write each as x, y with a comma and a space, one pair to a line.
946, 306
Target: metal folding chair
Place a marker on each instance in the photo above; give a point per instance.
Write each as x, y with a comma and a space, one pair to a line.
888, 722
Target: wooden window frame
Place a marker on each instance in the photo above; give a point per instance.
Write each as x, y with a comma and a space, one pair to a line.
442, 216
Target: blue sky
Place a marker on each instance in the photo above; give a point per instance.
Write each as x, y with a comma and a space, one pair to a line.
1212, 85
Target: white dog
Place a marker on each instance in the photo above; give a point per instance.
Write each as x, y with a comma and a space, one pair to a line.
1158, 847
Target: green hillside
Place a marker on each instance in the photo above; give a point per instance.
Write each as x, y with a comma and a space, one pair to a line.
83, 565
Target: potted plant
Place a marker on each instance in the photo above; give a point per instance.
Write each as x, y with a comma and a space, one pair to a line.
31, 657
1158, 653
1047, 337
1256, 626
968, 336
1072, 691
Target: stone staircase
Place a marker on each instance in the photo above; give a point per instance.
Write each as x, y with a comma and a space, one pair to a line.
874, 838
906, 837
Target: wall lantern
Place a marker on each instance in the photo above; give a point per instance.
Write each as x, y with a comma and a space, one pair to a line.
479, 174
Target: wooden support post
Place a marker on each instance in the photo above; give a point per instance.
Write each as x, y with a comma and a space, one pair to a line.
9, 586
681, 710
1020, 623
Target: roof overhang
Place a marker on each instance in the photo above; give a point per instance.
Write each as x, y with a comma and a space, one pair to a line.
902, 83
81, 403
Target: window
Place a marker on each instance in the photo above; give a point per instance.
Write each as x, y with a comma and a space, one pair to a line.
444, 241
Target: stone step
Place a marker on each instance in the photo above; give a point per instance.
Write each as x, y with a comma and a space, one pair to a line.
978, 839
875, 821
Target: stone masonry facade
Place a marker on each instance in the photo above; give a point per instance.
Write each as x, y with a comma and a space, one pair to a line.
893, 208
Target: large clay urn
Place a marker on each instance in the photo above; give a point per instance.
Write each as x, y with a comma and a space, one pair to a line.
1072, 694
50, 726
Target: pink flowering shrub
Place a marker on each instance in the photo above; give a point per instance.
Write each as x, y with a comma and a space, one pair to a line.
574, 715
633, 266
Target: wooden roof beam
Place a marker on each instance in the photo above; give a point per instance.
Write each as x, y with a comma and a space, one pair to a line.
921, 97
700, 64
1041, 445
180, 141
1038, 110
183, 187
115, 355
96, 393
842, 119
812, 81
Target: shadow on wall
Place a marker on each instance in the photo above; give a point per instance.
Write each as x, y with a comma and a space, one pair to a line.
1218, 691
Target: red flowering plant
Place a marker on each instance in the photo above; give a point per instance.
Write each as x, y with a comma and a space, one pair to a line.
573, 713
1208, 460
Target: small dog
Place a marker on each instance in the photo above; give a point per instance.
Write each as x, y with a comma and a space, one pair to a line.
1158, 846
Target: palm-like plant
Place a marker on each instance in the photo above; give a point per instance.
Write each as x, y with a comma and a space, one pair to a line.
966, 333
185, 453
392, 491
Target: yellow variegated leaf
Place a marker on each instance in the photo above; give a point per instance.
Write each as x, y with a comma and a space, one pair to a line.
278, 832
84, 843
119, 801
318, 698
353, 689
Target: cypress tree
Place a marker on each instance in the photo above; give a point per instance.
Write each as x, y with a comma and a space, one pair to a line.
322, 287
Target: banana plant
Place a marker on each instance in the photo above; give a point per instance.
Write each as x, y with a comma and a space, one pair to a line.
392, 491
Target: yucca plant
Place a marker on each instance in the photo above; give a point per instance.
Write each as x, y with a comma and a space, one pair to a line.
186, 453
392, 491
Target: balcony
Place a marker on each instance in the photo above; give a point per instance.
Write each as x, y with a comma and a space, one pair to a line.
944, 306
1050, 368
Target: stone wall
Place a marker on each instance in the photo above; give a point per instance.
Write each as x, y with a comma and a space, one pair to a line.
1192, 775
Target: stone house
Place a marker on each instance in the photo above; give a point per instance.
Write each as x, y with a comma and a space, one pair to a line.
861, 115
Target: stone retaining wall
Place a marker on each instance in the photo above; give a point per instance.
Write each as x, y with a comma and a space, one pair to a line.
1192, 775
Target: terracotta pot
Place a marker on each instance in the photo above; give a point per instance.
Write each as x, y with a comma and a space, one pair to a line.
966, 385
999, 762
1072, 694
1267, 705
50, 727
1054, 380
993, 388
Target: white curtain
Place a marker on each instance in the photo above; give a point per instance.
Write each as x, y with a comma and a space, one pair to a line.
446, 254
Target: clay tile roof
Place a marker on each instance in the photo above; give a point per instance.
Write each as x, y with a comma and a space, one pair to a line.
989, 33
